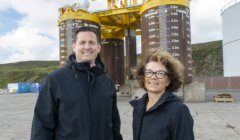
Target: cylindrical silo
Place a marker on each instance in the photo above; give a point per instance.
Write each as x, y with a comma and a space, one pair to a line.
71, 18
131, 49
231, 39
165, 24
112, 55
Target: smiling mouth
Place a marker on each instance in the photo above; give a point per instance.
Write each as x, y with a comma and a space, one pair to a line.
87, 52
153, 83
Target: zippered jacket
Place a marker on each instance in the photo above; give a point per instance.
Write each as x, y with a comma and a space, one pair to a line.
168, 119
77, 103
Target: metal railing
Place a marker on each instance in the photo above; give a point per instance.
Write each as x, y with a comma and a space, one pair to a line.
229, 4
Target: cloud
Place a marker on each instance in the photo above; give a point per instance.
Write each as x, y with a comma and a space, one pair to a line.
206, 24
41, 14
1, 24
27, 44
36, 37
9, 20
4, 5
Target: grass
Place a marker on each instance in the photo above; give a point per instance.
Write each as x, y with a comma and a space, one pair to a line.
207, 61
29, 71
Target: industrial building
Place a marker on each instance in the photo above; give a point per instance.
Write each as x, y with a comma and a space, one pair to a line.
231, 38
162, 24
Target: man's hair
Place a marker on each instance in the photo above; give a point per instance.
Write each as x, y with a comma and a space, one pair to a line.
175, 69
88, 29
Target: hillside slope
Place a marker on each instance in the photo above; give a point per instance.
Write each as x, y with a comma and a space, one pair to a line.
28, 71
207, 61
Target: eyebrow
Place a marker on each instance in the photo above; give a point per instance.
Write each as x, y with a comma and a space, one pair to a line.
87, 41
155, 71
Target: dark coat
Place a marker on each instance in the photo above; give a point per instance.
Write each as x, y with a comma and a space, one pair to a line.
76, 103
168, 119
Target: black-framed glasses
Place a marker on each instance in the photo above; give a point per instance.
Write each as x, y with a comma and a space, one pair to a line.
159, 74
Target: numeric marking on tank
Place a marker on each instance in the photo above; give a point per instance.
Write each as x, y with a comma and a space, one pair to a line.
175, 34
175, 54
175, 47
174, 27
174, 20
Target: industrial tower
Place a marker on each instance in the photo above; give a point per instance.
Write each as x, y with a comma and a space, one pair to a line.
162, 24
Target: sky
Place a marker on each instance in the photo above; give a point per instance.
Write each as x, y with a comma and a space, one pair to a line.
29, 31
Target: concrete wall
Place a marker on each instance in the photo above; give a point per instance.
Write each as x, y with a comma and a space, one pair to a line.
194, 92
220, 82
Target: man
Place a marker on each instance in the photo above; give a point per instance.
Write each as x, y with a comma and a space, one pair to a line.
78, 101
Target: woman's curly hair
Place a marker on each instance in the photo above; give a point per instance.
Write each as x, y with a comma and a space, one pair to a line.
174, 67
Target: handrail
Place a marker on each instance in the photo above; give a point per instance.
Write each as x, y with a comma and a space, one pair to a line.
229, 4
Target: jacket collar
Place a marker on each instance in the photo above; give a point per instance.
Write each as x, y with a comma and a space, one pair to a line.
83, 69
84, 66
140, 105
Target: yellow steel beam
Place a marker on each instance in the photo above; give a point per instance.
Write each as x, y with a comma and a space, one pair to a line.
109, 4
118, 11
112, 24
154, 3
125, 2
116, 19
69, 13
112, 32
138, 32
134, 2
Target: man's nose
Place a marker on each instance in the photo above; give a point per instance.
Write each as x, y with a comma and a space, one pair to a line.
87, 46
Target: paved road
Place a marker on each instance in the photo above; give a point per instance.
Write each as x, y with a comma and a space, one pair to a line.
213, 121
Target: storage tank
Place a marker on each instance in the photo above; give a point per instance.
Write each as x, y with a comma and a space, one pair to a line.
71, 18
23, 87
231, 38
112, 55
34, 87
165, 25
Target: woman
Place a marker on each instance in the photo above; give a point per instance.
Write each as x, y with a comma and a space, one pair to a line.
159, 114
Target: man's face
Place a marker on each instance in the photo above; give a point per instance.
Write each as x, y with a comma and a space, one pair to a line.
86, 47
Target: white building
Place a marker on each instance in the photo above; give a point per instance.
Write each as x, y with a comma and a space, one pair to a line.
231, 38
12, 87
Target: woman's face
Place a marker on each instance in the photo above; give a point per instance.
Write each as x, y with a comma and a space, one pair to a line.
156, 79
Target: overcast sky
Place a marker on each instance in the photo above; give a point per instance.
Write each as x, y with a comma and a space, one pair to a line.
29, 31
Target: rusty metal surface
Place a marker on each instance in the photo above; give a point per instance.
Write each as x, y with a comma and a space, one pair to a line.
112, 55
168, 27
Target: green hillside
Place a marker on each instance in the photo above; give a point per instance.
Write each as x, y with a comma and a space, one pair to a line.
207, 59
29, 71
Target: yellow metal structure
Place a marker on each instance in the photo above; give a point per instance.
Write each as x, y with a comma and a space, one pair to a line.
115, 21
115, 4
121, 15
69, 13
154, 3
121, 19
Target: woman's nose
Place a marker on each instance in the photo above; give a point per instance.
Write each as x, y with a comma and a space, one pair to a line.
154, 76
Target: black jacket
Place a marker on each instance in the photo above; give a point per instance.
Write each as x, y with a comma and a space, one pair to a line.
168, 119
76, 103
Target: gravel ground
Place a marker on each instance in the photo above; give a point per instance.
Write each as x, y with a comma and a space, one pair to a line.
213, 121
